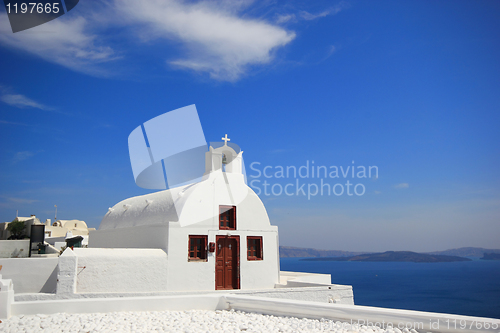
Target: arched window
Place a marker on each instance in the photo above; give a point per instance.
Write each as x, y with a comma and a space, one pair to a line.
227, 217
224, 162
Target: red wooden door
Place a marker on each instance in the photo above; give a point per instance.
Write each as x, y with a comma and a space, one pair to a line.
226, 266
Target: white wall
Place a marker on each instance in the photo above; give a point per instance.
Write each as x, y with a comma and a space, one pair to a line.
344, 313
187, 275
259, 274
31, 275
14, 248
120, 270
93, 305
337, 294
362, 314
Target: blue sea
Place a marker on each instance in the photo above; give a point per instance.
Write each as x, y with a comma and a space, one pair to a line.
468, 288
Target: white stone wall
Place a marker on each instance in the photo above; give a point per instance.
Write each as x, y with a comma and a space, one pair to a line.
6, 297
31, 275
290, 308
14, 248
120, 270
337, 294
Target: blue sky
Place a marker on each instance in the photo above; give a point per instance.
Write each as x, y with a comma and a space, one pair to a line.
412, 87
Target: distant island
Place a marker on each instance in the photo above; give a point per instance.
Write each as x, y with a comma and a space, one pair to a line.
472, 252
491, 256
399, 256
300, 252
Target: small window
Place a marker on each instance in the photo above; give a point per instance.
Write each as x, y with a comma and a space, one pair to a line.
254, 248
227, 217
198, 247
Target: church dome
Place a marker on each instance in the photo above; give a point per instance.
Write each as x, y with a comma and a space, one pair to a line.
150, 209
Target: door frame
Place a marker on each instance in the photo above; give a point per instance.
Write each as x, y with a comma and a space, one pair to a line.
237, 238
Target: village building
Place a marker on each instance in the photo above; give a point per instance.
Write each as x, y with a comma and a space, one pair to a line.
56, 237
28, 222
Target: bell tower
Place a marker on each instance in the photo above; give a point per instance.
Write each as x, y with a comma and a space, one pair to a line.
224, 158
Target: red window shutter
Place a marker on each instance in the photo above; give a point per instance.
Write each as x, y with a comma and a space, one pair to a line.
197, 247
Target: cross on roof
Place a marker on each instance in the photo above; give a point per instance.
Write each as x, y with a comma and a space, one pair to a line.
226, 139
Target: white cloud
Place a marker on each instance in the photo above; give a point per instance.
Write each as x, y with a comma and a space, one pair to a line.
309, 17
285, 18
62, 41
21, 101
21, 156
214, 38
402, 185
21, 200
12, 123
331, 50
304, 15
331, 11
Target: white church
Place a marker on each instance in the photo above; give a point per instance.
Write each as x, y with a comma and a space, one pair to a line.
187, 247
216, 233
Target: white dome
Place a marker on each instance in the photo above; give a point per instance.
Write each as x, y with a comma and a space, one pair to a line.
150, 209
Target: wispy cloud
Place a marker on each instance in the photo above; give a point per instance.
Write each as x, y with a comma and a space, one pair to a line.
402, 185
309, 17
285, 18
8, 96
12, 123
215, 39
21, 101
21, 156
305, 15
331, 50
218, 38
331, 11
18, 200
22, 200
63, 41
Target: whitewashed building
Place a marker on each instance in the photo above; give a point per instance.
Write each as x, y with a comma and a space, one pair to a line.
170, 248
216, 233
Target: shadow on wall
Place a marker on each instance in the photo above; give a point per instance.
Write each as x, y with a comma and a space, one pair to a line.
51, 285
